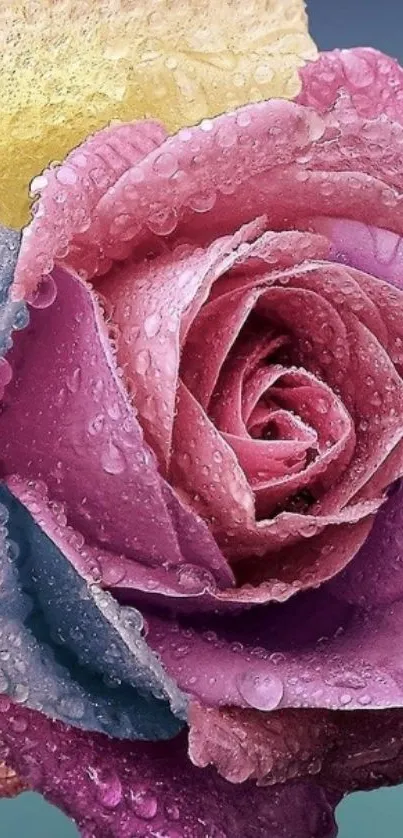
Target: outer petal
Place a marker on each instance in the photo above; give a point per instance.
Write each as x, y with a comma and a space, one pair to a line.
360, 78
121, 790
68, 649
343, 750
314, 651
130, 60
274, 154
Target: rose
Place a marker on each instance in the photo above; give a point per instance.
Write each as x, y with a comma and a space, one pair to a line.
203, 234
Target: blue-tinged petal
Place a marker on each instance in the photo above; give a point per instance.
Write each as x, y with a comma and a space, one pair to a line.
67, 648
13, 315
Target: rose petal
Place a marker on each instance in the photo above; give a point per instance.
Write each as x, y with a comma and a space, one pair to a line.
366, 247
72, 190
362, 78
153, 303
68, 649
314, 651
119, 789
349, 750
273, 154
82, 438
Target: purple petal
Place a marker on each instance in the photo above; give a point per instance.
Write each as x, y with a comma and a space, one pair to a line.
121, 790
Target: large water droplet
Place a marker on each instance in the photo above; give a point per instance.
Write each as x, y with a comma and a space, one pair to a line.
144, 804
142, 361
263, 691
45, 294
152, 324
113, 461
108, 785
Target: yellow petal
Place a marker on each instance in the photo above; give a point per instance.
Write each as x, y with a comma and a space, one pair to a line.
68, 67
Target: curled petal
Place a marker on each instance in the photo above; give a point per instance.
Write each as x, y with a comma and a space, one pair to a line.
273, 154
362, 78
344, 750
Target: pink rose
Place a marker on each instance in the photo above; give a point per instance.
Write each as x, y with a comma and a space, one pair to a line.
211, 383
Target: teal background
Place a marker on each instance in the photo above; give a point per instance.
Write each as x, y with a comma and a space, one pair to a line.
379, 814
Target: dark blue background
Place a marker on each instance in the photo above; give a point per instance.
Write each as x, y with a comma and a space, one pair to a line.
333, 23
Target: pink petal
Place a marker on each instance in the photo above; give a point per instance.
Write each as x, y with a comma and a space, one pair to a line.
62, 226
77, 431
209, 340
372, 81
152, 303
282, 159
374, 250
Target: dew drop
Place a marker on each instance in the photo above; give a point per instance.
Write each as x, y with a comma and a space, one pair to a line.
261, 691
152, 324
162, 222
142, 361
202, 201
112, 459
66, 175
37, 184
21, 693
144, 804
108, 785
45, 294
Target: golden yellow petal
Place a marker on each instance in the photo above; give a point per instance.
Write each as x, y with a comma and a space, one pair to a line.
68, 67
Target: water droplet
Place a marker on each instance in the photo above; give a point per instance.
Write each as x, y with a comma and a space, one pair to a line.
144, 804
166, 165
74, 380
72, 706
45, 294
263, 691
202, 201
37, 184
66, 175
21, 693
162, 221
142, 361
152, 324
96, 424
112, 459
108, 785
112, 574
172, 811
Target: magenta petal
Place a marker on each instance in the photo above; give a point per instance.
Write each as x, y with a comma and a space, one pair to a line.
121, 790
314, 651
77, 431
375, 576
